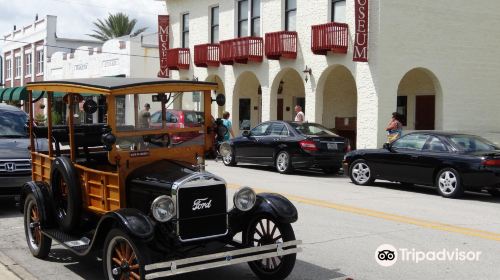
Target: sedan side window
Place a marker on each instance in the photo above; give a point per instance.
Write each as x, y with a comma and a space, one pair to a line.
260, 130
411, 142
278, 129
435, 145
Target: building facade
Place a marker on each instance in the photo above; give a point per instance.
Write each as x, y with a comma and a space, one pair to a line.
427, 60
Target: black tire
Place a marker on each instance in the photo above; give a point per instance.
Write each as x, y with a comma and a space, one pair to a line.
331, 170
38, 243
114, 252
230, 160
361, 173
283, 162
276, 268
449, 183
66, 194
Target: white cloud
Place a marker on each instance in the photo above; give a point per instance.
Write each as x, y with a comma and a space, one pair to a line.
75, 17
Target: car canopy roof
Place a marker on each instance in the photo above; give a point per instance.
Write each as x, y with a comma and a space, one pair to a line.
120, 86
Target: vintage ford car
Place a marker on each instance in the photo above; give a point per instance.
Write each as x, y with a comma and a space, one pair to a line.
121, 187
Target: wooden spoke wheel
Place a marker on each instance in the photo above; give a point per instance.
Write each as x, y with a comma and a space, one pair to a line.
123, 260
266, 231
38, 243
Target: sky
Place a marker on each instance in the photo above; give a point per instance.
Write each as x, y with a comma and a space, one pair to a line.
75, 17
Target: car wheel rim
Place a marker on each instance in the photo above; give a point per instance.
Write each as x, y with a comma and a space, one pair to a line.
122, 261
266, 232
361, 173
227, 159
33, 225
447, 182
282, 162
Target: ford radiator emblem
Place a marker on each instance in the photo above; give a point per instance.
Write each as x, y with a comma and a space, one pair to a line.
202, 203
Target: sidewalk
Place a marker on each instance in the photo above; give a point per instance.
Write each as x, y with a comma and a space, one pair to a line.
9, 270
6, 274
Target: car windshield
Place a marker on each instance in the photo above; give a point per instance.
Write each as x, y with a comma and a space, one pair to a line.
13, 124
471, 143
312, 129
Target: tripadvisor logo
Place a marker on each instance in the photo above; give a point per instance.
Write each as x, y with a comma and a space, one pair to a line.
387, 255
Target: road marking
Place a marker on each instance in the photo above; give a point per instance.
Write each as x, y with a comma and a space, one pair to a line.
386, 216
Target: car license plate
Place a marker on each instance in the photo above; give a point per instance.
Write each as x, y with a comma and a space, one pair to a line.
331, 146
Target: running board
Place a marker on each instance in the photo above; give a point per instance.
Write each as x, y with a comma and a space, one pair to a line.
176, 267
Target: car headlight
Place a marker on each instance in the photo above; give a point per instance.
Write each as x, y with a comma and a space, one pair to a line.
163, 208
244, 199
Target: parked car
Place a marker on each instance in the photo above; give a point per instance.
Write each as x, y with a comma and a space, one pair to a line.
15, 160
289, 145
452, 162
179, 119
149, 210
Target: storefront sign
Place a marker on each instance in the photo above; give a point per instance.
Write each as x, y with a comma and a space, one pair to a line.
361, 37
163, 40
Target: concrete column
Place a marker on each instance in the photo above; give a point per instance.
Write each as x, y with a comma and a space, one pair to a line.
268, 104
314, 107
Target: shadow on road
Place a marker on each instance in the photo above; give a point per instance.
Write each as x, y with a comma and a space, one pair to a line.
475, 196
299, 172
90, 267
8, 208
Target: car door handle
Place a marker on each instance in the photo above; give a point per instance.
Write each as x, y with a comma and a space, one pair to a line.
414, 156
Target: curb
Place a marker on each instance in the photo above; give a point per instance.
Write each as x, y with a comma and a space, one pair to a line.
10, 270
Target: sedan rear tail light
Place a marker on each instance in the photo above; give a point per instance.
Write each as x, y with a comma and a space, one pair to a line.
491, 162
308, 145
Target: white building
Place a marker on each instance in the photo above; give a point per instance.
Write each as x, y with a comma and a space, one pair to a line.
135, 57
26, 50
432, 61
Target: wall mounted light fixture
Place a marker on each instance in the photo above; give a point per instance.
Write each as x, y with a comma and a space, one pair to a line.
280, 87
307, 71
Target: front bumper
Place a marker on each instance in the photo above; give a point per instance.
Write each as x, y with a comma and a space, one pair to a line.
226, 258
307, 161
11, 185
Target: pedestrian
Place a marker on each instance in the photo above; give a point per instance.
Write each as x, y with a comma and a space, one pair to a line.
394, 128
145, 116
299, 117
228, 124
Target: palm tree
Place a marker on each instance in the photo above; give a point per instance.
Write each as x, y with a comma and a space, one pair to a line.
114, 26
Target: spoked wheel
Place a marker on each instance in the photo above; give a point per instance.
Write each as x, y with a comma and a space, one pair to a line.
266, 231
448, 183
122, 258
283, 162
360, 173
38, 243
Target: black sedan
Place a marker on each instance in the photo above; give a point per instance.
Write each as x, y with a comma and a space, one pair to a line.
289, 145
452, 162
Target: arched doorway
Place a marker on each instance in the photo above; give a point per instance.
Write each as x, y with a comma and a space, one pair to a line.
339, 102
288, 90
217, 110
419, 100
247, 102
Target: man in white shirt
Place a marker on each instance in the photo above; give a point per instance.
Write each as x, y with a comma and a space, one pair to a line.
300, 115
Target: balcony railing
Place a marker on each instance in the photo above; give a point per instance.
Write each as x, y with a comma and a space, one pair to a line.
178, 59
241, 50
329, 37
206, 55
281, 44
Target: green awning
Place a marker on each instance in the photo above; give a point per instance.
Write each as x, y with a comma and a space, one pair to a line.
7, 93
1, 93
20, 93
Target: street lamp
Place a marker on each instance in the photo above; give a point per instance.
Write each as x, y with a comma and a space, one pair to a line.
307, 71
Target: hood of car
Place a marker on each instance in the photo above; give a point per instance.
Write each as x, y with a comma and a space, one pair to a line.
14, 148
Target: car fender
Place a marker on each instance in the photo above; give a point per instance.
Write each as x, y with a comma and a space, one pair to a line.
41, 192
272, 205
132, 221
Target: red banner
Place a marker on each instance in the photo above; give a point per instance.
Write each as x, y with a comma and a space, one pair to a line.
163, 44
361, 37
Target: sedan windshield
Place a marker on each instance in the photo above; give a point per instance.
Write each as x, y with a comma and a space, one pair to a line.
312, 129
470, 143
12, 124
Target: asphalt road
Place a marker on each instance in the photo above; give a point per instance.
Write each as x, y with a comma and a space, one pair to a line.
341, 225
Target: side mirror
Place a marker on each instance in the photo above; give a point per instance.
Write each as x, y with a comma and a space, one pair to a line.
246, 133
387, 146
